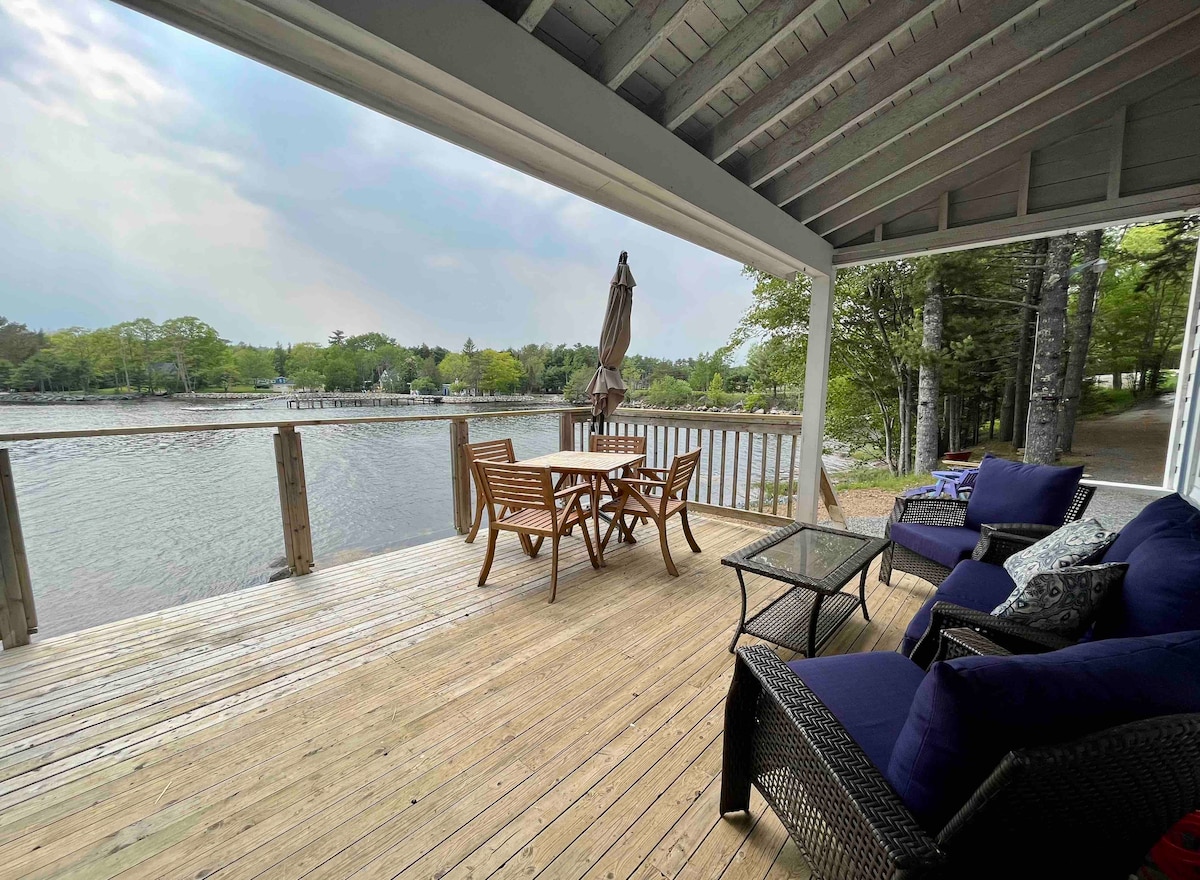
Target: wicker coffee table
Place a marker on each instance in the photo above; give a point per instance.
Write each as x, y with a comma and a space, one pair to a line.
817, 562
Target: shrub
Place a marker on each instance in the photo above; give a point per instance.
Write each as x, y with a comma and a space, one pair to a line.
755, 400
716, 395
425, 385
668, 391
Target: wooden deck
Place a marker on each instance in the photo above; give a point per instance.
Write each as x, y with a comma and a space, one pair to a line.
389, 718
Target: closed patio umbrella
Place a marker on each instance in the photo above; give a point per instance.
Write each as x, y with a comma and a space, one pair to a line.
606, 389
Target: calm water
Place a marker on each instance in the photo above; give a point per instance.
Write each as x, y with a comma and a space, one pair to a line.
125, 525
120, 526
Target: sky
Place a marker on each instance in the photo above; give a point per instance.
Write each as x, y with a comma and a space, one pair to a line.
151, 174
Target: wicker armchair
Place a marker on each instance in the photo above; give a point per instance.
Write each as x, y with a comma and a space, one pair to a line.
1088, 808
953, 512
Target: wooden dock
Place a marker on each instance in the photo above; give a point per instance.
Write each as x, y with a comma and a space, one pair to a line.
389, 718
320, 401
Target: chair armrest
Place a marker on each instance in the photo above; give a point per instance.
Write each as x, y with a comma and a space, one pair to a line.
964, 642
572, 490
649, 484
653, 470
1015, 637
928, 512
998, 541
782, 738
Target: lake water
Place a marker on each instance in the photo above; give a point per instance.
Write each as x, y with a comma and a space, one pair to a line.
119, 526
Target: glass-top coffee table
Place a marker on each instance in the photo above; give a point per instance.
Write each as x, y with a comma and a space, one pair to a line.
817, 562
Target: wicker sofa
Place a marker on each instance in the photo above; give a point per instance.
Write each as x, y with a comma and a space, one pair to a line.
1160, 592
1066, 764
930, 536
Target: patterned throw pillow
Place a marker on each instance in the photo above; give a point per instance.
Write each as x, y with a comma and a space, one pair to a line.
1065, 600
1070, 545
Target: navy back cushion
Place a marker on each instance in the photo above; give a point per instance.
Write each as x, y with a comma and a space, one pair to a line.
1165, 513
969, 713
1161, 590
1012, 492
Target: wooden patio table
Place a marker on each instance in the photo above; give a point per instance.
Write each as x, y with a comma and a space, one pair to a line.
593, 467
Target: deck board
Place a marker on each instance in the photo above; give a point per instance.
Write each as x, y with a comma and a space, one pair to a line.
390, 718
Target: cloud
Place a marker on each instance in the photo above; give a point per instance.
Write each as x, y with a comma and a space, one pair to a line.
151, 173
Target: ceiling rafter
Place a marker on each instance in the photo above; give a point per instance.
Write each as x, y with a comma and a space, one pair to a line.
853, 42
636, 38
1073, 78
526, 13
953, 39
767, 25
1017, 50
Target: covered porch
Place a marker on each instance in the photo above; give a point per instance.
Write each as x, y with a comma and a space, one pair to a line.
388, 717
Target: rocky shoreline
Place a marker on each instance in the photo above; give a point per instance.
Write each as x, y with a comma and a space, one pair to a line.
34, 398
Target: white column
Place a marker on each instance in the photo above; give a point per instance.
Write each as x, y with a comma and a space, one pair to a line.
1182, 451
816, 388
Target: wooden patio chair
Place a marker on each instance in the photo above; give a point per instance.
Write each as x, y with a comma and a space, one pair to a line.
657, 499
489, 450
522, 499
625, 445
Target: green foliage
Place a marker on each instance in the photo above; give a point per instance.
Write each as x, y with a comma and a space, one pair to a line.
500, 372
1099, 401
339, 370
6, 373
708, 365
307, 380
715, 395
669, 391
878, 478
576, 387
754, 400
425, 385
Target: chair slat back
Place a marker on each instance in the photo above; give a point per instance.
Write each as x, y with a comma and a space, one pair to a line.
490, 450
1079, 503
682, 469
626, 445
517, 487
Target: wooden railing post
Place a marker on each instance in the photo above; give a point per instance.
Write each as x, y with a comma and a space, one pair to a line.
17, 615
460, 475
566, 431
293, 500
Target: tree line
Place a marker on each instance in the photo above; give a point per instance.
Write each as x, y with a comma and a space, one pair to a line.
186, 354
1011, 341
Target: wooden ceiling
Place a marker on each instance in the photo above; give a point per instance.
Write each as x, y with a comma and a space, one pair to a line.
899, 125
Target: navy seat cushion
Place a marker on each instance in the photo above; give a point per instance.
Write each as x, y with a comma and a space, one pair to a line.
1012, 492
975, 585
869, 694
1165, 513
1161, 590
969, 713
945, 545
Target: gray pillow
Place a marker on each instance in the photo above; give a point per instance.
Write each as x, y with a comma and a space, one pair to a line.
1063, 601
1071, 545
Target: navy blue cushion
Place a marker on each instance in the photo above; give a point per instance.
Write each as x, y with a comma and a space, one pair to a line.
869, 694
1012, 492
1165, 513
975, 585
945, 545
969, 713
1161, 590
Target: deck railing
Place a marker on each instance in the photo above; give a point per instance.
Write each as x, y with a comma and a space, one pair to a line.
748, 469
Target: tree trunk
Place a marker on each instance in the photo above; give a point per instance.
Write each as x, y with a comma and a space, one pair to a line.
953, 426
904, 459
1046, 399
1028, 322
1007, 407
929, 390
1081, 339
1118, 378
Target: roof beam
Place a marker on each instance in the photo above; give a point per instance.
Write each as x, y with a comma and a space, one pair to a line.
526, 13
1024, 46
636, 38
1143, 207
1073, 77
461, 71
986, 162
952, 40
764, 28
869, 29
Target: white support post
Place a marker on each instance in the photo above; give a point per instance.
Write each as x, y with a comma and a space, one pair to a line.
816, 388
1184, 446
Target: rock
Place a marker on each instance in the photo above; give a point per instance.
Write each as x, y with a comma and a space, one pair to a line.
280, 575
